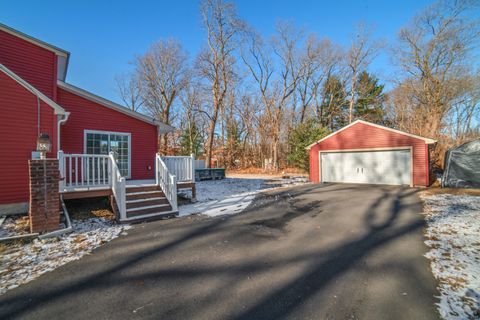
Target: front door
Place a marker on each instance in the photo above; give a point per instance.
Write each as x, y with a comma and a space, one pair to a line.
103, 142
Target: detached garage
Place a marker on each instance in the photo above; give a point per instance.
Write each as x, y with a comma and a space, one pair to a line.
364, 152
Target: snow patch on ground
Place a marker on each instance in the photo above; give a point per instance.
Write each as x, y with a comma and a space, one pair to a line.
232, 195
22, 262
453, 235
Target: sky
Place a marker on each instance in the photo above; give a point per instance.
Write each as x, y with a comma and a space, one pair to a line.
104, 37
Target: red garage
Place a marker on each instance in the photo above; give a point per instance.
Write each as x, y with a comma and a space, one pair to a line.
363, 152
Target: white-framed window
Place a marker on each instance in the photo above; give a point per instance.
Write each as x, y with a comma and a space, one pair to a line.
102, 142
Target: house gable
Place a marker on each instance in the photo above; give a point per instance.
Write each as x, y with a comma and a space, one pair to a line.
57, 109
89, 115
61, 56
34, 64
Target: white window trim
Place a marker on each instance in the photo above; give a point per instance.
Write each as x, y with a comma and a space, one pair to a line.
85, 132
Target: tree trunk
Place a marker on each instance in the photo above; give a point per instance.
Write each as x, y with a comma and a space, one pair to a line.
352, 98
275, 153
211, 134
302, 114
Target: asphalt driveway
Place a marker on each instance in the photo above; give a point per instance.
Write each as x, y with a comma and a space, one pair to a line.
310, 252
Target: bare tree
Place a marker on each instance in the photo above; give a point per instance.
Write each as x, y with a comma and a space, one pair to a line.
309, 65
216, 62
359, 56
433, 53
129, 88
192, 117
318, 61
163, 74
275, 85
464, 117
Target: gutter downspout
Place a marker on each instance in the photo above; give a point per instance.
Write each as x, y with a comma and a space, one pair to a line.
61, 122
68, 224
68, 228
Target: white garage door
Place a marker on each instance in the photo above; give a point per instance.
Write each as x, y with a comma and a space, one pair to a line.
376, 167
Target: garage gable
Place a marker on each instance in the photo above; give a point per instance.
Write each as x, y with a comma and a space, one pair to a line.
373, 129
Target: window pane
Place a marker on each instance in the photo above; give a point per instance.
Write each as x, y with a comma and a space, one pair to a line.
119, 145
101, 143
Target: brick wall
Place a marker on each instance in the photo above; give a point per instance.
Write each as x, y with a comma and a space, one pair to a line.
44, 197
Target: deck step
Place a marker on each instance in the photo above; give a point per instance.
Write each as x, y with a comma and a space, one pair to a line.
158, 209
137, 189
131, 204
145, 195
150, 217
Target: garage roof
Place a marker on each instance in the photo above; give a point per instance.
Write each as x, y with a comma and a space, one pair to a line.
427, 140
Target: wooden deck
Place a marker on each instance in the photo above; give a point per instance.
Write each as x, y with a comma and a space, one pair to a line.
82, 193
97, 175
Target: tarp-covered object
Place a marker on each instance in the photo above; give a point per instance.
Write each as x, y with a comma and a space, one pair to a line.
462, 166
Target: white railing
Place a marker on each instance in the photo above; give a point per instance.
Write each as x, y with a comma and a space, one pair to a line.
167, 181
118, 188
84, 171
200, 164
183, 167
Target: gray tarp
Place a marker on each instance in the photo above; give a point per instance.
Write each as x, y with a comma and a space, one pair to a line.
462, 166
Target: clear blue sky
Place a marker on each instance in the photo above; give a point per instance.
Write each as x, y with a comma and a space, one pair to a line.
103, 37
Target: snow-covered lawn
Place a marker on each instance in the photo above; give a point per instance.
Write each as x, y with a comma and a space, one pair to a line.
233, 195
23, 262
453, 235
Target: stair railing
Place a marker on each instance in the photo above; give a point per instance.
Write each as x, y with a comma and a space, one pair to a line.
118, 186
166, 181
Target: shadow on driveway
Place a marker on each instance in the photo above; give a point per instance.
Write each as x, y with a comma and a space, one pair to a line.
315, 251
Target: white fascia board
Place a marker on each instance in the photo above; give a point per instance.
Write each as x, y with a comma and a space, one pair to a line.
32, 89
164, 128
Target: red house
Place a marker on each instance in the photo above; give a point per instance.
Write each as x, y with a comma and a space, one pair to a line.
364, 152
103, 148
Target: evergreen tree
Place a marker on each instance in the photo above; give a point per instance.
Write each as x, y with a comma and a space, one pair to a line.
332, 110
191, 140
302, 136
370, 99
232, 148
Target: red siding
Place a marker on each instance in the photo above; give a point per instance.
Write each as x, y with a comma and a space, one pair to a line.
88, 115
363, 136
32, 63
18, 133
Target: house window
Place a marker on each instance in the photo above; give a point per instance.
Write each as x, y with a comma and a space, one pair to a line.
99, 142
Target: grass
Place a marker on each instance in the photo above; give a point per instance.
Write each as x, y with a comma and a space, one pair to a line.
454, 191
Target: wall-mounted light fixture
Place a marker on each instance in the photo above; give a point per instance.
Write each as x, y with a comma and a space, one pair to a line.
44, 145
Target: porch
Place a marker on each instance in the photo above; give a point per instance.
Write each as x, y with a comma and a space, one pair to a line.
93, 175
